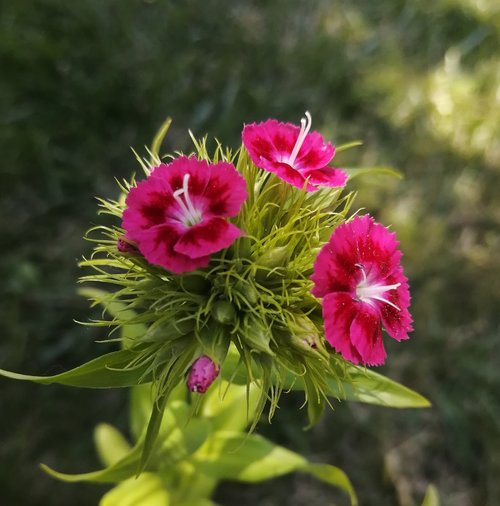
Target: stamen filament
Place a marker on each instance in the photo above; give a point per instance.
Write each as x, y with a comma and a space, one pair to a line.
305, 126
366, 292
192, 215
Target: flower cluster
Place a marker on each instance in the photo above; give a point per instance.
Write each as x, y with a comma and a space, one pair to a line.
243, 269
246, 265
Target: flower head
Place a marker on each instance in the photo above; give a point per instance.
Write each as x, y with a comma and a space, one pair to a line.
359, 276
203, 373
177, 216
293, 153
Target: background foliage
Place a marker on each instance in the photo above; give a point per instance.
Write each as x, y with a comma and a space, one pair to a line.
418, 81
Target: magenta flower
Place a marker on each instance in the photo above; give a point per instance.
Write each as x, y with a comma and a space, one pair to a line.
203, 373
177, 216
293, 153
359, 276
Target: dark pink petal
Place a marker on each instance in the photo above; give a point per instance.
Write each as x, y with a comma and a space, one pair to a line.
157, 246
225, 192
207, 238
397, 323
292, 176
366, 335
270, 140
314, 153
147, 205
175, 171
339, 311
335, 267
377, 247
333, 178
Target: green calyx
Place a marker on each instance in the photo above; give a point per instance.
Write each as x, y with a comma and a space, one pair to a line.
254, 298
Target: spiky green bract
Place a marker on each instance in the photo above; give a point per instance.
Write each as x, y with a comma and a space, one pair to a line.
254, 296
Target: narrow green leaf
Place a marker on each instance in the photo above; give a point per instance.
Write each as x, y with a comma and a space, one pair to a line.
146, 490
367, 386
110, 444
125, 468
106, 371
141, 404
373, 388
354, 172
333, 476
160, 135
176, 373
152, 430
431, 496
347, 145
119, 311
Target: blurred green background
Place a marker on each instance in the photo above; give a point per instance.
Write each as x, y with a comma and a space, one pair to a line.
418, 81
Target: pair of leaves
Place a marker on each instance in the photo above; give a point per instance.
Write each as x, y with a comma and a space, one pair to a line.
251, 458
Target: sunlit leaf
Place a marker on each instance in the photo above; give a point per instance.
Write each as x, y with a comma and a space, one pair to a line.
110, 444
230, 407
373, 388
145, 490
245, 457
333, 476
252, 458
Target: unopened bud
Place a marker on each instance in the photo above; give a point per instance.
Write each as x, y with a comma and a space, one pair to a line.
304, 333
275, 257
223, 312
202, 374
123, 246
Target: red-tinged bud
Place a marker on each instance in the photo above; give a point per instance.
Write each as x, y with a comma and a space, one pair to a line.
123, 246
202, 374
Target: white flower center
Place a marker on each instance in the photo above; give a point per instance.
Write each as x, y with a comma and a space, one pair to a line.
305, 126
192, 216
367, 291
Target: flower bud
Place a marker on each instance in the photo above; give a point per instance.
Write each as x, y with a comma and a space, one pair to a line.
123, 246
275, 257
202, 374
224, 312
271, 259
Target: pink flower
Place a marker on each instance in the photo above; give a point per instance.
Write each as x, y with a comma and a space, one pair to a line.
293, 153
177, 216
202, 374
359, 276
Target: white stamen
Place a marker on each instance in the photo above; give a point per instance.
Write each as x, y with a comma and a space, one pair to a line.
305, 126
366, 292
192, 216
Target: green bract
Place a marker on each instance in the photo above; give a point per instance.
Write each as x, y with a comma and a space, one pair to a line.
254, 297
